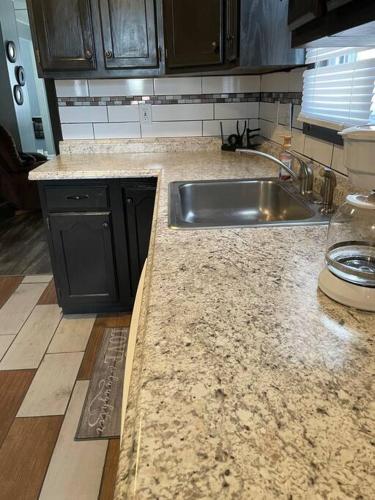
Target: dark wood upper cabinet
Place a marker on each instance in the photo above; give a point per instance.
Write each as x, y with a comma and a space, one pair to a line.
265, 38
194, 32
129, 33
303, 11
314, 23
64, 34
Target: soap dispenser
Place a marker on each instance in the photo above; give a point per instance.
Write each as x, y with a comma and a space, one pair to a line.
286, 158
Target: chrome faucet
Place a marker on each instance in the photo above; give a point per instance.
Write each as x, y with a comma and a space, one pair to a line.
305, 176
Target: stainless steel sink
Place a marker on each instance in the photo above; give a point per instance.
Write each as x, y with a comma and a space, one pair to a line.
242, 202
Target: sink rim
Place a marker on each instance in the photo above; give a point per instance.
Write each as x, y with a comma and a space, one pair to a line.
175, 220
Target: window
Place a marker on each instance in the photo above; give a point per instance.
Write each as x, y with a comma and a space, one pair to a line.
340, 90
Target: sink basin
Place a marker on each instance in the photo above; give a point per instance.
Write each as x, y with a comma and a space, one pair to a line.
240, 202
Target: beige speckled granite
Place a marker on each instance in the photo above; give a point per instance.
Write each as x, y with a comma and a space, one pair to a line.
145, 145
248, 383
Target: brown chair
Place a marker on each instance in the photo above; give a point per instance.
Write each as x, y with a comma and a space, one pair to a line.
15, 186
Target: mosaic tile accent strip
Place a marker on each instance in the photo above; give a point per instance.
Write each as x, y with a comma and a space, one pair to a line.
282, 97
159, 99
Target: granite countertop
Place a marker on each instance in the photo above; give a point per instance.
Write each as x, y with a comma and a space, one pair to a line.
247, 381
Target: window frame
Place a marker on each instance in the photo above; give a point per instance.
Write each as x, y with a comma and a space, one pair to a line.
325, 129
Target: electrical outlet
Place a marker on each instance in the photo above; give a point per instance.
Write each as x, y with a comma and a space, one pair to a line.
145, 112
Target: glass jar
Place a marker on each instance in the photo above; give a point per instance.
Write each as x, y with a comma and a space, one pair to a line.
350, 251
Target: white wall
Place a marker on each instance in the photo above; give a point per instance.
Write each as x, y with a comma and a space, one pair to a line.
22, 112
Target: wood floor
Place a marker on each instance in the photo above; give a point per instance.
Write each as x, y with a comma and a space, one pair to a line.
46, 362
23, 246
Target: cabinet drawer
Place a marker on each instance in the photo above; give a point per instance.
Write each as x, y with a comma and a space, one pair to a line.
76, 197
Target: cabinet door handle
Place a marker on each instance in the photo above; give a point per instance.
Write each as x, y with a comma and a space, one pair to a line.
78, 197
88, 54
105, 225
215, 46
108, 54
129, 201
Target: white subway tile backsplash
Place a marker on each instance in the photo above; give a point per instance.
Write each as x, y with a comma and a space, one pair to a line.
298, 141
296, 80
117, 130
274, 132
123, 113
178, 86
296, 111
172, 129
279, 133
83, 114
212, 127
121, 87
338, 160
267, 128
284, 116
321, 151
236, 110
180, 112
230, 84
268, 111
115, 120
275, 82
72, 88
77, 131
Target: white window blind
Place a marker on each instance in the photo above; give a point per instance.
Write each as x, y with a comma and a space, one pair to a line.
340, 90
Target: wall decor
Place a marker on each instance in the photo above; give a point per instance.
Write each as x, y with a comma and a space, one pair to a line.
18, 94
11, 51
20, 75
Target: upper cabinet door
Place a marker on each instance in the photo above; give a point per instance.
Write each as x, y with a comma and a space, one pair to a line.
193, 32
303, 11
64, 33
129, 33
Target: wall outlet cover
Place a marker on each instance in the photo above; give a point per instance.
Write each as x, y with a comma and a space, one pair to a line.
145, 113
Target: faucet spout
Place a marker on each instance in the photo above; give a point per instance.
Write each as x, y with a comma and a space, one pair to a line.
305, 176
254, 152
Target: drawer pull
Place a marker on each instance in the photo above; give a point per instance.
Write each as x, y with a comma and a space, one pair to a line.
78, 197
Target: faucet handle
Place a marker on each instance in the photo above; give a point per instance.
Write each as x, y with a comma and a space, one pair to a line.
328, 189
305, 174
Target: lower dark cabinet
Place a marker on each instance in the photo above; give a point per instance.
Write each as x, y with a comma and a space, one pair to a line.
139, 202
97, 255
83, 248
